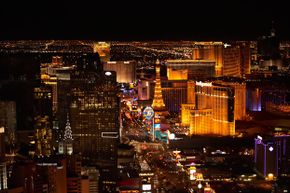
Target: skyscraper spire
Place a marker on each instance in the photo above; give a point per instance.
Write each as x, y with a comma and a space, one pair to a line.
66, 145
158, 103
67, 131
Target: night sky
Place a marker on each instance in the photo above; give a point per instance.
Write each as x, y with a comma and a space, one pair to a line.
143, 20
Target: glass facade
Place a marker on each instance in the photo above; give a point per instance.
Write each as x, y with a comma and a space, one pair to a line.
90, 99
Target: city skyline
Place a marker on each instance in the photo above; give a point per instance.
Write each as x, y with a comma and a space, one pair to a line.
145, 116
144, 96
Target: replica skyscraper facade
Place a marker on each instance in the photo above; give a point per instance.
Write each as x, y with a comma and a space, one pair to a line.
89, 96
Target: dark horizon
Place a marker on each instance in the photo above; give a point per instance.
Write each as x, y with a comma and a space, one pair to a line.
131, 21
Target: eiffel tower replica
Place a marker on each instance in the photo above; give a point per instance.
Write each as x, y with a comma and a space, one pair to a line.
158, 103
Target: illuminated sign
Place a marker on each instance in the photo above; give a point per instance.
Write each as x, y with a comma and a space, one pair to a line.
157, 126
157, 120
146, 186
146, 174
199, 83
1, 129
148, 113
109, 134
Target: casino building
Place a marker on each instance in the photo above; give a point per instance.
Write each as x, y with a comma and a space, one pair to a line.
213, 107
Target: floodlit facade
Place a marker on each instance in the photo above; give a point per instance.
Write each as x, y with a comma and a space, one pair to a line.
185, 113
213, 107
220, 100
210, 51
240, 97
200, 122
126, 70
230, 59
190, 69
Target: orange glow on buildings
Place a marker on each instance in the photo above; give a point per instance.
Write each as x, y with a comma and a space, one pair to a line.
185, 113
209, 51
103, 49
201, 122
240, 98
190, 69
213, 107
181, 74
230, 60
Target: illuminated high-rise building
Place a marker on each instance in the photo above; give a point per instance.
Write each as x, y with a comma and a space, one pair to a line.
89, 96
190, 69
272, 155
3, 176
43, 101
220, 99
211, 112
254, 99
93, 177
245, 57
231, 61
3, 170
240, 97
283, 144
2, 143
174, 95
43, 137
49, 74
126, 70
186, 113
210, 51
8, 122
201, 122
266, 157
191, 92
